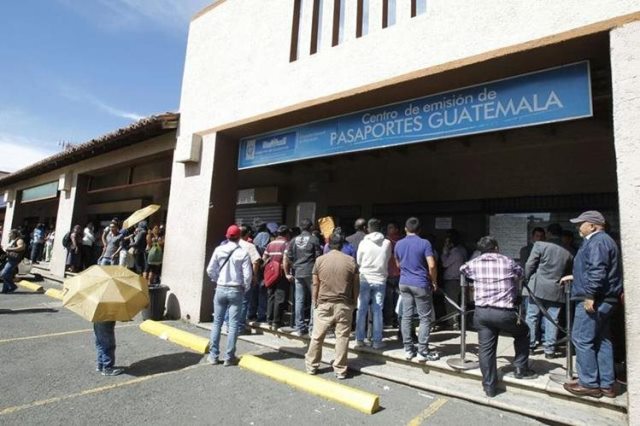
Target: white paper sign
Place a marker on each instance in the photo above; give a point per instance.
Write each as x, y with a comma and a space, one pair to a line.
444, 223
511, 233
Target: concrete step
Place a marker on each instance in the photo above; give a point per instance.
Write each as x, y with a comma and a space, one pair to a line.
540, 398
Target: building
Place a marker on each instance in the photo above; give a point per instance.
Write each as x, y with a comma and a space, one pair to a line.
492, 117
110, 176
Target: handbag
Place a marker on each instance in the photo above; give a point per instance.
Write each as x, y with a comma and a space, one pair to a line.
154, 257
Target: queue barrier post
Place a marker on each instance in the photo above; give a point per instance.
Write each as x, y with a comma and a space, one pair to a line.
463, 363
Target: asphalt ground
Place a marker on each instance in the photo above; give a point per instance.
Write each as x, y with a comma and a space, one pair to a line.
47, 372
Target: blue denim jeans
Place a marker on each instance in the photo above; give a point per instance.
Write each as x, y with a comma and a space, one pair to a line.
105, 343
257, 298
423, 299
534, 315
107, 261
591, 336
370, 293
7, 275
303, 304
226, 300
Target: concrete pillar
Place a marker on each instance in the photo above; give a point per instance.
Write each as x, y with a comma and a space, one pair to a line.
64, 223
625, 75
8, 215
201, 206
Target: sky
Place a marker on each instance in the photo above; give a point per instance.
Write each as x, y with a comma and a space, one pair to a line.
73, 70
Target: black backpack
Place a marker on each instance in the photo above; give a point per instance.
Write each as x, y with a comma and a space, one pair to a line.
66, 240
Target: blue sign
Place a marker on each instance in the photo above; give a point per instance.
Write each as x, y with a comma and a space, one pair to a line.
547, 96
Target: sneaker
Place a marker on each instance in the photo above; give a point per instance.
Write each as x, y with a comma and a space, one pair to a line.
409, 355
359, 344
98, 369
299, 333
549, 355
112, 371
428, 356
312, 372
341, 376
213, 361
230, 362
379, 345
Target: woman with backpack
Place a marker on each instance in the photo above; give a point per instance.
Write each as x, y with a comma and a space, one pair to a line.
155, 247
275, 278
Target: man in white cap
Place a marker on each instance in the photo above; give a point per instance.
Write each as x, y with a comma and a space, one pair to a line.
596, 289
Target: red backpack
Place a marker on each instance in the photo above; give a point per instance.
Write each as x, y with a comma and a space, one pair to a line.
272, 272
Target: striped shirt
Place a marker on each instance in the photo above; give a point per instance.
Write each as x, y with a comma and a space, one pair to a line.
275, 249
495, 279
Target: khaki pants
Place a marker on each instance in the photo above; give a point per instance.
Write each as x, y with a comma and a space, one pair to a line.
325, 316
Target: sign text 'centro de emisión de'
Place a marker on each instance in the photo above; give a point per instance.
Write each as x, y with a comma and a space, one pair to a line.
547, 96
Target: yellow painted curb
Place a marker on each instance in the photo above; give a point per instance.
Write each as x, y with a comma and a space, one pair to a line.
179, 337
52, 292
27, 285
365, 402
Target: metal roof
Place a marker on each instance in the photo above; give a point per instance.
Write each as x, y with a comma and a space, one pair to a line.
139, 131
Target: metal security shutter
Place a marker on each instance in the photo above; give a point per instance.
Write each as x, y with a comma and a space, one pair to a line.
271, 213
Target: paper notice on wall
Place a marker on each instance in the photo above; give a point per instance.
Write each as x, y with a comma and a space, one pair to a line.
305, 210
511, 233
444, 222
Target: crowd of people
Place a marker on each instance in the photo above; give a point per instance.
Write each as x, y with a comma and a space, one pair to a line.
371, 281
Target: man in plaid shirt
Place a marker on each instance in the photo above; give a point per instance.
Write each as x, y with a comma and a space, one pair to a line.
495, 279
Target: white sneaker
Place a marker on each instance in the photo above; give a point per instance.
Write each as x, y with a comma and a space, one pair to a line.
379, 345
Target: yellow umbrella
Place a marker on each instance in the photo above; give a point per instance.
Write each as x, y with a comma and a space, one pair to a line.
106, 293
141, 214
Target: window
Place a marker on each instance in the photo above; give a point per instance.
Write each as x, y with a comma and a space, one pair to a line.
418, 7
316, 26
338, 22
362, 27
388, 13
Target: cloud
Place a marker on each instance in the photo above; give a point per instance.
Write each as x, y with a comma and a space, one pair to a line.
77, 95
17, 152
172, 15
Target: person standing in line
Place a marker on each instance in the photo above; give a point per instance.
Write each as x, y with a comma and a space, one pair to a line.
139, 246
88, 240
354, 239
373, 257
15, 251
495, 280
300, 257
393, 277
112, 246
259, 297
347, 248
418, 281
231, 273
334, 295
37, 243
537, 234
278, 293
249, 247
454, 255
74, 255
547, 263
48, 245
596, 288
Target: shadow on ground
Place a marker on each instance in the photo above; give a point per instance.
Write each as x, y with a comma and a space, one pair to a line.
163, 364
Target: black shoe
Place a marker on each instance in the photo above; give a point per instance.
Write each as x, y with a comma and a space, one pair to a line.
532, 351
106, 371
524, 373
549, 356
490, 392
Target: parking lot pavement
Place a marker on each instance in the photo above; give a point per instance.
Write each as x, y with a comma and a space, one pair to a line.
48, 377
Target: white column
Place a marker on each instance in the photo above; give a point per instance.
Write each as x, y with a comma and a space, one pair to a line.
326, 25
350, 19
8, 214
64, 222
403, 11
625, 75
375, 16
304, 31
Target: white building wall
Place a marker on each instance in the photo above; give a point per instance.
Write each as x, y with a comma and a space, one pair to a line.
625, 67
237, 62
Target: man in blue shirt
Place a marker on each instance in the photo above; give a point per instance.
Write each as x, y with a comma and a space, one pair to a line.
418, 280
596, 288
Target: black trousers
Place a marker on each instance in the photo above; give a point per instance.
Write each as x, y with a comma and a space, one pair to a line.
490, 322
453, 290
277, 296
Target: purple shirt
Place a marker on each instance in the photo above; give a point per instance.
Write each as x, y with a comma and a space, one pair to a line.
495, 280
412, 252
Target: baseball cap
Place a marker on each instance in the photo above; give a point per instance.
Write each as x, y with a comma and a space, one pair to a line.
591, 216
233, 232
